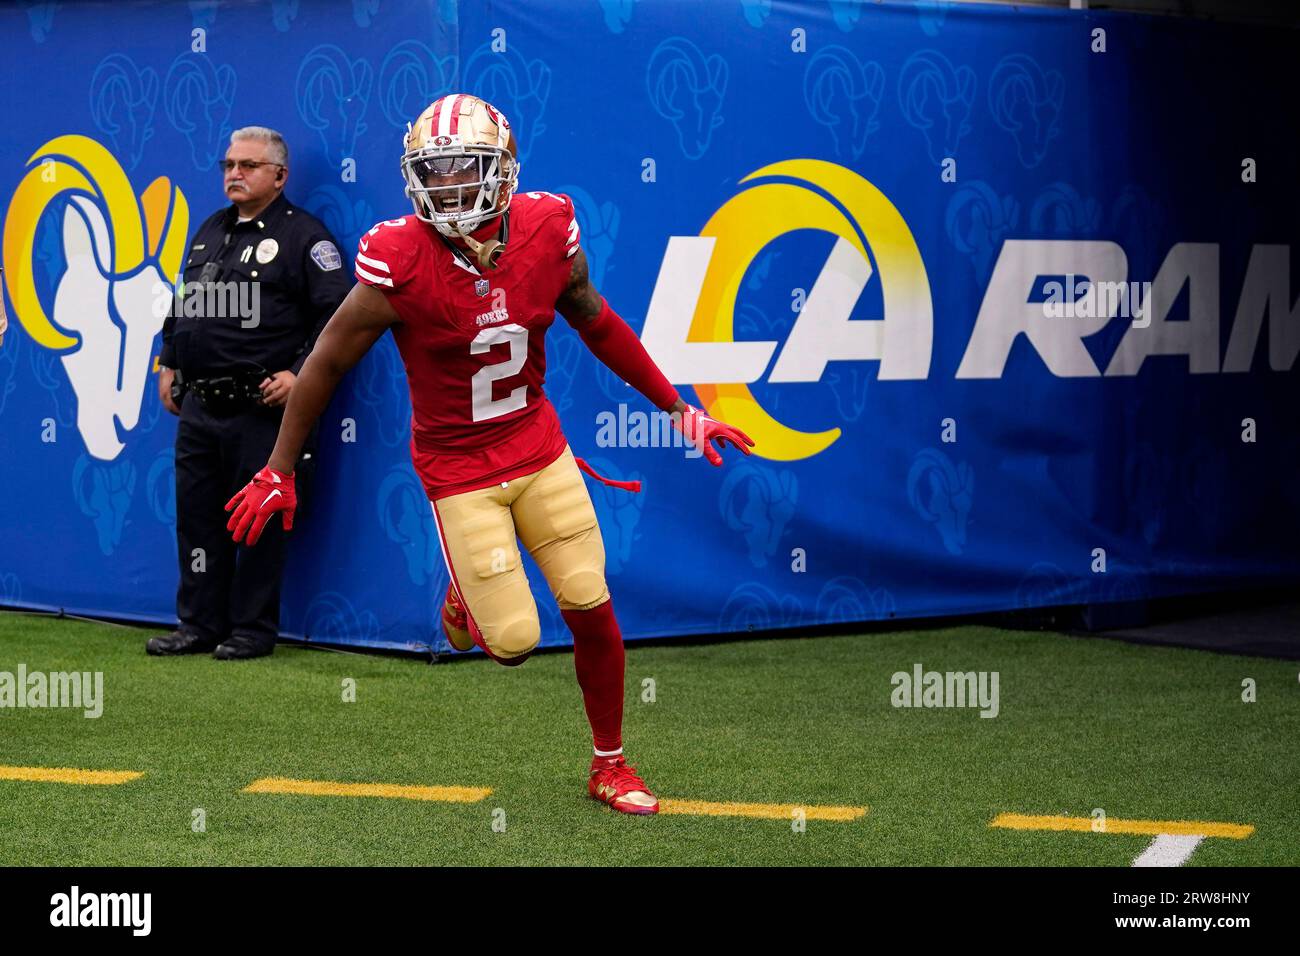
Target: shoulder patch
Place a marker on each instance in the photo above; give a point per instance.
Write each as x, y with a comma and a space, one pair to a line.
326, 255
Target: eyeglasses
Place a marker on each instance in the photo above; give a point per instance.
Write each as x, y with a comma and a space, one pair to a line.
245, 165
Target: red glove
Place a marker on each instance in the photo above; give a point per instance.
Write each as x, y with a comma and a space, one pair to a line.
269, 491
700, 430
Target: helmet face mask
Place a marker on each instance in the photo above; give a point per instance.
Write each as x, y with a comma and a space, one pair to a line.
459, 165
452, 188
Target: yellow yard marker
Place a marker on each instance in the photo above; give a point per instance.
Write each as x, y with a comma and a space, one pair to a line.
69, 775
765, 811
1020, 821
396, 791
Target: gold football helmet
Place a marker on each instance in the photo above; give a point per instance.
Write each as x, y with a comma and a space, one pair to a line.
461, 167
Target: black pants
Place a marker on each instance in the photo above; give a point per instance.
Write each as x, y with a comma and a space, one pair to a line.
226, 589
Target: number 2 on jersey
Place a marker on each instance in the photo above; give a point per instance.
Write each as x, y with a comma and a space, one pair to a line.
484, 405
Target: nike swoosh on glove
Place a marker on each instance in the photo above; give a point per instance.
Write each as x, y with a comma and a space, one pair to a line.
269, 492
701, 430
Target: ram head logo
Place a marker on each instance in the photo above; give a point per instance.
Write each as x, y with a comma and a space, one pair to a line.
411, 77
122, 253
753, 607
759, 502
198, 97
756, 11
687, 89
381, 387
843, 94
846, 13
978, 220
1026, 102
332, 619
848, 599
618, 13
942, 494
407, 519
283, 13
936, 98
103, 491
122, 101
333, 94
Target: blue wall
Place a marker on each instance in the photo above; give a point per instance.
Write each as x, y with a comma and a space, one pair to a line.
969, 154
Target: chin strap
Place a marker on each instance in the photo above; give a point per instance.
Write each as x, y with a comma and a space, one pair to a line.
489, 252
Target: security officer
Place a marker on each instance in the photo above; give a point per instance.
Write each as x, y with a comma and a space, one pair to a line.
261, 280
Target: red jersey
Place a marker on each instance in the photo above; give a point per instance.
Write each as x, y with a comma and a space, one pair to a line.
473, 342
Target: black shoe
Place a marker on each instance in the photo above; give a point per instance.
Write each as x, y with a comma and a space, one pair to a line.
178, 642
241, 648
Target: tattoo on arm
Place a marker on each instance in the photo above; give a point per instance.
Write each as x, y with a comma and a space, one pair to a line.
579, 303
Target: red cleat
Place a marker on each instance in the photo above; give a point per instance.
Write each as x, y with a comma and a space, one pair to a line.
455, 622
612, 781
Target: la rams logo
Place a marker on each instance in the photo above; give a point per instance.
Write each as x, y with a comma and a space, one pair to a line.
690, 325
122, 253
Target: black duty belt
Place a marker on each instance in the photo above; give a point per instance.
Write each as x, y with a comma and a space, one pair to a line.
229, 394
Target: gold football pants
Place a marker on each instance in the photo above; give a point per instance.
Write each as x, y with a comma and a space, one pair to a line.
551, 513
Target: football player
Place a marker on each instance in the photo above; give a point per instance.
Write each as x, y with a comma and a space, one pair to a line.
469, 285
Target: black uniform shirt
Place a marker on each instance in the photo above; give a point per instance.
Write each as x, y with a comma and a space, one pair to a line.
255, 293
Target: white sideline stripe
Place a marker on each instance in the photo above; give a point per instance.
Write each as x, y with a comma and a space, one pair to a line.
377, 280
446, 555
373, 263
1169, 849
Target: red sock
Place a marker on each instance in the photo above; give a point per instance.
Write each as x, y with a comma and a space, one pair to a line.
598, 658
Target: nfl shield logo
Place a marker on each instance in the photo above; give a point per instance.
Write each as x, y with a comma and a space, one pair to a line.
481, 286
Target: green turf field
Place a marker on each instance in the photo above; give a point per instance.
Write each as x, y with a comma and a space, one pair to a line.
1143, 733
